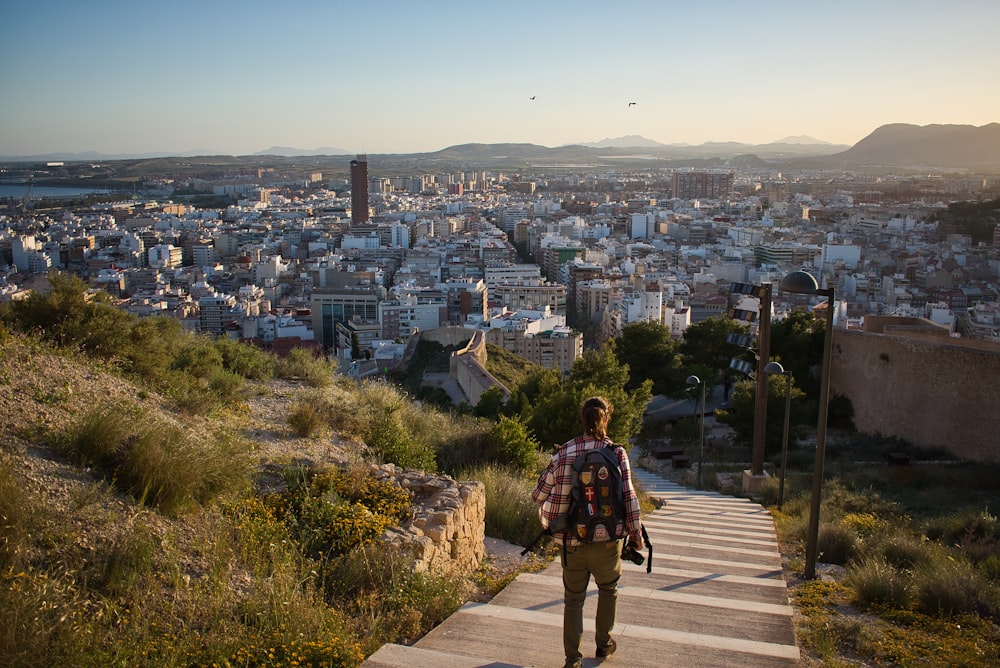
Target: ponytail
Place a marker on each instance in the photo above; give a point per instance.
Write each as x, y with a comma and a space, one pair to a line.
595, 413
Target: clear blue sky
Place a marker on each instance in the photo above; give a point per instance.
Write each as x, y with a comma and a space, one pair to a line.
387, 76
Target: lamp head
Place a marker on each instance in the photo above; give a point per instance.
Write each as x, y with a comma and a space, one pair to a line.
774, 367
799, 282
693, 380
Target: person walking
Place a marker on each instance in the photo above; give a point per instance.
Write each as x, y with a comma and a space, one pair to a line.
581, 560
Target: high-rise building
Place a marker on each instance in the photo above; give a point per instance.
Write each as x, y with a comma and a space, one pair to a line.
359, 189
695, 185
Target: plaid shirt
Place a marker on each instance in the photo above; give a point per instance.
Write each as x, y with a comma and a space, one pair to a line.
553, 489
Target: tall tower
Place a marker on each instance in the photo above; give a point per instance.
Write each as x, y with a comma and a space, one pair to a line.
359, 189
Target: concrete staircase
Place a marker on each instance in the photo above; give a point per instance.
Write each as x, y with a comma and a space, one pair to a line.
715, 598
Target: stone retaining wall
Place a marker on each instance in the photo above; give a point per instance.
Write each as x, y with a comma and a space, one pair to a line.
447, 530
932, 394
468, 368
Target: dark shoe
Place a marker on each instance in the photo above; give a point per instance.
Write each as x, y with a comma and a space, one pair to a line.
607, 650
573, 663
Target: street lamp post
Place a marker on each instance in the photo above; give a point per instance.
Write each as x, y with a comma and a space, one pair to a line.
760, 397
801, 282
771, 368
694, 381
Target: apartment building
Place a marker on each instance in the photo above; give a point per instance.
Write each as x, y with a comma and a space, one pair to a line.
702, 185
530, 294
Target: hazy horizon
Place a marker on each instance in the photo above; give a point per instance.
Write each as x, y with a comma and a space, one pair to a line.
318, 150
237, 78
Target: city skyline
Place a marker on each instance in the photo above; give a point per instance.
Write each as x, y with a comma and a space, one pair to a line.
237, 78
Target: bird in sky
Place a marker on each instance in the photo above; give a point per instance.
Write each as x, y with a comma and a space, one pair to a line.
631, 103
532, 97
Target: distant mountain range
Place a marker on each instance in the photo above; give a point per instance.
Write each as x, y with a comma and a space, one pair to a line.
637, 141
898, 145
904, 145
289, 152
895, 146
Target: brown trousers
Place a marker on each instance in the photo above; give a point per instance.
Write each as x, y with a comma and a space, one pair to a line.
603, 561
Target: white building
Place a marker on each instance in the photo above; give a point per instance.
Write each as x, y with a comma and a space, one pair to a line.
494, 275
165, 256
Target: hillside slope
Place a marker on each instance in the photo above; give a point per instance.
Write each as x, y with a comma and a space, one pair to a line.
86, 569
902, 144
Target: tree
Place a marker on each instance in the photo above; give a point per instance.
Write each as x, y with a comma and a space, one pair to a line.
556, 414
70, 316
649, 352
743, 406
977, 219
490, 404
599, 368
554, 417
704, 343
798, 340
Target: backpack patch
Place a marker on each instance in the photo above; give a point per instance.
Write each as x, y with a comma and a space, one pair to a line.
597, 502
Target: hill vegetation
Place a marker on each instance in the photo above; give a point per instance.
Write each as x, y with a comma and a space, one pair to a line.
160, 508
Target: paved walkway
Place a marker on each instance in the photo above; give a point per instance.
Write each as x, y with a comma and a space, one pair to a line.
662, 407
715, 598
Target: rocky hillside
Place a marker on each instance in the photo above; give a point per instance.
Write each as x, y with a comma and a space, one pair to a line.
98, 572
44, 394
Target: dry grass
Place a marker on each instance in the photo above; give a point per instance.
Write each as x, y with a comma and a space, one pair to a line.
188, 567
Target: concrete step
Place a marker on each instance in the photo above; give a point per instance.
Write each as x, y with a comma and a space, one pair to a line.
492, 636
715, 597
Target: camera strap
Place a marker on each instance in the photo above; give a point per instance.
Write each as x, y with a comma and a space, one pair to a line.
649, 546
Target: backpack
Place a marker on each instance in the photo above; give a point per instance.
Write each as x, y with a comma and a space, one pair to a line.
597, 501
597, 511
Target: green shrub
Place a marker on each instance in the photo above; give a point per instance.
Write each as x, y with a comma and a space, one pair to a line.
390, 440
964, 525
301, 364
380, 585
99, 437
159, 463
20, 512
306, 418
904, 551
954, 587
990, 567
836, 543
327, 529
876, 582
511, 515
170, 468
510, 444
260, 540
841, 499
244, 360
72, 318
359, 485
331, 511
864, 525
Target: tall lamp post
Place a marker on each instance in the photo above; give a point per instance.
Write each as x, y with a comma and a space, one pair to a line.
772, 368
694, 381
760, 397
804, 283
